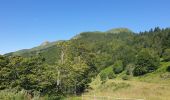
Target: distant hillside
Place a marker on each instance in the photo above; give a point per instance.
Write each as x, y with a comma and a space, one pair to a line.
103, 42
51, 52
46, 49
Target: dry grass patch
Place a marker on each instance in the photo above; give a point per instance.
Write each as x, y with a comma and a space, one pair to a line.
132, 89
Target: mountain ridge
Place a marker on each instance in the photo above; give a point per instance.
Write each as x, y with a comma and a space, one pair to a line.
47, 44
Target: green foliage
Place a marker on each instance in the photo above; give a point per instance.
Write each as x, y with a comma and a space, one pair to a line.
3, 61
166, 55
129, 69
13, 95
124, 53
66, 67
29, 74
111, 75
103, 77
52, 97
118, 67
107, 73
147, 61
120, 30
168, 69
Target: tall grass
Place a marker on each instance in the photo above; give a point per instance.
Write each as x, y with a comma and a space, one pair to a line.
13, 95
152, 86
24, 95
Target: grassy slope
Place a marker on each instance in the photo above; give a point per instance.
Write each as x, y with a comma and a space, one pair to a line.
153, 86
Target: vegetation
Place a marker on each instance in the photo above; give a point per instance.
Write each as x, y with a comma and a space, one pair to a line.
126, 77
151, 86
166, 55
107, 73
147, 62
63, 68
118, 67
168, 69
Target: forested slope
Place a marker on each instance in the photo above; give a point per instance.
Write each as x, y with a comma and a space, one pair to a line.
66, 67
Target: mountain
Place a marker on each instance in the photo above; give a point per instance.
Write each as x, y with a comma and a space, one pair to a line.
103, 42
46, 49
50, 50
115, 61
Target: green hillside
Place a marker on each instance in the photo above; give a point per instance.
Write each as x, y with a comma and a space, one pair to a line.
152, 86
117, 63
92, 40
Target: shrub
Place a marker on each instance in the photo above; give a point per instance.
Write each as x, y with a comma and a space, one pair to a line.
118, 67
168, 69
166, 55
139, 70
147, 61
107, 73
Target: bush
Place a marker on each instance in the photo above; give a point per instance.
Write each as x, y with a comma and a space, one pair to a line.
118, 67
139, 70
107, 73
166, 55
147, 61
118, 70
168, 69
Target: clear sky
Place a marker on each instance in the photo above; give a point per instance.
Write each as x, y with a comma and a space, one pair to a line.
27, 23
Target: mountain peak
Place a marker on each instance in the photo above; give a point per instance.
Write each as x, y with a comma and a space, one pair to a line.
45, 43
119, 30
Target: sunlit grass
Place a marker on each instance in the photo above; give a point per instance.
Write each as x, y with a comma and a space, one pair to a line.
153, 86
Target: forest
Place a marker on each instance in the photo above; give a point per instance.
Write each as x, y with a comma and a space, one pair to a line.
56, 70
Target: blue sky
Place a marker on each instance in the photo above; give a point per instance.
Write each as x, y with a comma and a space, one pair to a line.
27, 23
